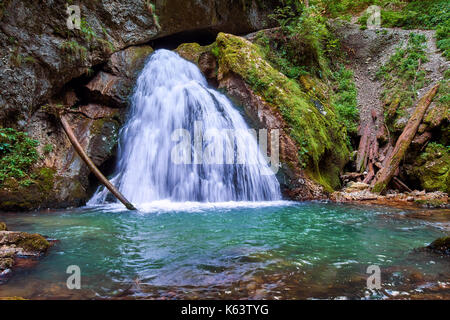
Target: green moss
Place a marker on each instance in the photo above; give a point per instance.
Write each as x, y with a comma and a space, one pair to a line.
403, 76
45, 178
6, 263
345, 99
30, 195
431, 203
312, 123
140, 54
190, 51
33, 242
432, 168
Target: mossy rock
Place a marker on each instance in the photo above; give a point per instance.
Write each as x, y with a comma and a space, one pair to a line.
432, 168
6, 263
34, 243
32, 195
191, 51
312, 121
431, 203
312, 124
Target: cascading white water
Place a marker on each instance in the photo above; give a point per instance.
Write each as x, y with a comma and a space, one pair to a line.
184, 141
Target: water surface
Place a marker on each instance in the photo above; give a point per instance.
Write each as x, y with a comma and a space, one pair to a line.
269, 250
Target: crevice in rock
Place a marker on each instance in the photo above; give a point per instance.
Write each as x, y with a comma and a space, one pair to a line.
201, 36
107, 168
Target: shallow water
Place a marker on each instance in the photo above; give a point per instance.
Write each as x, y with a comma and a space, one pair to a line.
268, 250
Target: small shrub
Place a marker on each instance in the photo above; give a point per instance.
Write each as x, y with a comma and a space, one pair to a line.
17, 154
403, 76
345, 99
48, 148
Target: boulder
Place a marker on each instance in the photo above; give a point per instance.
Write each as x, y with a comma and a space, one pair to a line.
113, 86
441, 245
356, 187
37, 59
313, 150
22, 244
431, 169
62, 177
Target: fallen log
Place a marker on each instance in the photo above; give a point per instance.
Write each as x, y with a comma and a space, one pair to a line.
79, 149
363, 150
370, 174
392, 163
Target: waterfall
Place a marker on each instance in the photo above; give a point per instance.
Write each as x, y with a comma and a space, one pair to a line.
184, 141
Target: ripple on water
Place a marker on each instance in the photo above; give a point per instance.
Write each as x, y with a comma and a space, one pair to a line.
270, 250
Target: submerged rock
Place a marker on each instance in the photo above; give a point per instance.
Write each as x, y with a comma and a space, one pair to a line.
441, 245
14, 244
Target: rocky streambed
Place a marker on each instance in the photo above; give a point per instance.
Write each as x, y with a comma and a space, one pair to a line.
19, 250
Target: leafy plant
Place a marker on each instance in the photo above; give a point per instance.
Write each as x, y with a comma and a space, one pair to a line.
303, 43
74, 50
345, 99
48, 148
17, 154
403, 76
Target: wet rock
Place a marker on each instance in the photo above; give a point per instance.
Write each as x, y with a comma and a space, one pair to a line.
15, 244
16, 196
251, 286
37, 59
107, 89
129, 62
316, 172
356, 187
441, 245
114, 86
431, 169
22, 243
61, 177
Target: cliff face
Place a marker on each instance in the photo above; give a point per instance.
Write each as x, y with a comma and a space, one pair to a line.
92, 71
39, 54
